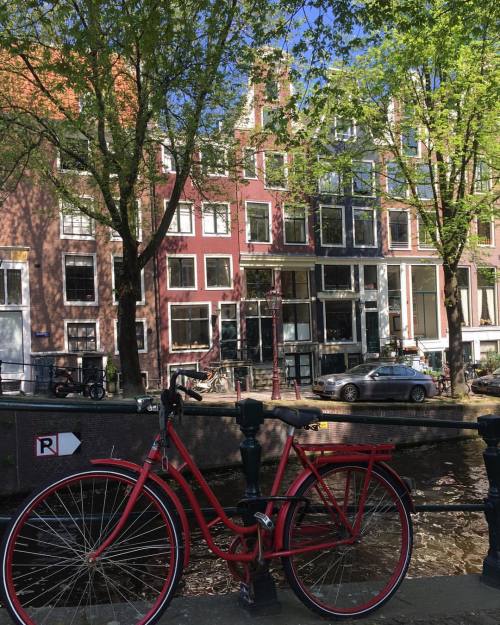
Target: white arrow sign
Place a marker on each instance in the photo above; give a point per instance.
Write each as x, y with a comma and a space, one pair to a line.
60, 444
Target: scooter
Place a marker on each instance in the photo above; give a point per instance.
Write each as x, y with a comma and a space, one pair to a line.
64, 383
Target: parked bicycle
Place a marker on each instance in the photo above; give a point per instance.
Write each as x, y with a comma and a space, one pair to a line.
443, 383
215, 382
108, 544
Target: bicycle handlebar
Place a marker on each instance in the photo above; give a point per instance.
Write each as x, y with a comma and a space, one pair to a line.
190, 392
195, 375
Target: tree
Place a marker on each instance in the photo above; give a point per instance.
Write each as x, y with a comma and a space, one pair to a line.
418, 74
102, 83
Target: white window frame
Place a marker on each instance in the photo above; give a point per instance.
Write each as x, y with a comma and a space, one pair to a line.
142, 301
238, 322
96, 292
182, 288
431, 184
75, 237
419, 145
216, 234
167, 168
193, 220
399, 246
219, 288
395, 197
306, 229
207, 172
495, 296
144, 325
181, 365
354, 335
254, 151
372, 167
210, 329
469, 293
347, 264
114, 236
353, 127
285, 166
85, 321
323, 244
375, 238
492, 233
270, 226
431, 246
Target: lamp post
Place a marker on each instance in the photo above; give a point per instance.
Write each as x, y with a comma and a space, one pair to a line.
273, 299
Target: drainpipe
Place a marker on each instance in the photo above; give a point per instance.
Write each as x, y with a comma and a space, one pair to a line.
159, 363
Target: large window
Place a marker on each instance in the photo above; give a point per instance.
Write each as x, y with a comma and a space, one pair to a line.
409, 142
275, 170
140, 335
337, 278
190, 327
424, 292
332, 225
364, 227
362, 178
181, 272
214, 160
216, 218
424, 184
330, 183
249, 163
295, 224
218, 272
339, 321
345, 129
10, 287
82, 337
295, 284
117, 271
396, 182
258, 230
80, 278
463, 290
296, 321
370, 277
182, 221
228, 332
424, 235
258, 282
398, 229
74, 222
394, 293
486, 296
485, 231
75, 157
482, 177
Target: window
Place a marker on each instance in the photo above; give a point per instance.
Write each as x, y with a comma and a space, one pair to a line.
190, 327
140, 335
463, 291
344, 129
214, 161
409, 142
75, 156
330, 183
337, 278
117, 269
275, 170
485, 231
82, 337
295, 284
167, 159
269, 117
394, 293
396, 182
296, 321
272, 89
80, 279
249, 163
362, 178
259, 282
258, 230
136, 217
228, 332
216, 218
424, 292
332, 225
487, 347
482, 177
10, 287
424, 185
74, 222
295, 224
364, 226
424, 235
182, 221
218, 272
370, 277
339, 322
181, 272
486, 296
398, 229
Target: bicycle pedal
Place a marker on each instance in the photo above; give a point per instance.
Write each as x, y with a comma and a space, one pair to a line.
264, 521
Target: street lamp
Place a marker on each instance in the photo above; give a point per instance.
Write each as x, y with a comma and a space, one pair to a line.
273, 299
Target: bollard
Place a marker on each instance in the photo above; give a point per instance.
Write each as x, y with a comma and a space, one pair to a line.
297, 389
237, 386
489, 428
258, 596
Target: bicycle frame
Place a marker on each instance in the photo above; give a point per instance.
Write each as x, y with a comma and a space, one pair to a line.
328, 454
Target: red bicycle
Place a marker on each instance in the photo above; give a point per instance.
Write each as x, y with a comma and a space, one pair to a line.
108, 545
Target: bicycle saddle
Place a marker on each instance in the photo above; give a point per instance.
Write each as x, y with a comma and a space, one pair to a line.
298, 417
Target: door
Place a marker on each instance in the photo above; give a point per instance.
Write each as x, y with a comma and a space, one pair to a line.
372, 334
379, 386
299, 367
259, 338
11, 342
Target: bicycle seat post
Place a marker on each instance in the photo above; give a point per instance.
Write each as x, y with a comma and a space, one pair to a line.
259, 595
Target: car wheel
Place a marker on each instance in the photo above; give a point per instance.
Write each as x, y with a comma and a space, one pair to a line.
417, 394
350, 393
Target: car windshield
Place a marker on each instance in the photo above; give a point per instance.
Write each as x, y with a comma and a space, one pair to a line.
361, 369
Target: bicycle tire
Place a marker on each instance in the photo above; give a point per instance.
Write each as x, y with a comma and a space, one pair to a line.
96, 392
353, 579
46, 576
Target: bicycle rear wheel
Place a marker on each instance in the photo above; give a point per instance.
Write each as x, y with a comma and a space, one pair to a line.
47, 578
351, 579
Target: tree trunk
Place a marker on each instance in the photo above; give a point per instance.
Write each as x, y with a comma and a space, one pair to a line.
128, 286
453, 313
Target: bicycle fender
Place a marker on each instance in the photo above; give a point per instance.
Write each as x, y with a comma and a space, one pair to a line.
399, 480
169, 492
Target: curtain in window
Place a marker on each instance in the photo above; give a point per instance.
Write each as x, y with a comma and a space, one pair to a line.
464, 303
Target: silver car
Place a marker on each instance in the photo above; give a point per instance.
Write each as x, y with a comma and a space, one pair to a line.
376, 381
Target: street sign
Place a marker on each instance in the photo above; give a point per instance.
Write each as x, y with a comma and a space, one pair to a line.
60, 444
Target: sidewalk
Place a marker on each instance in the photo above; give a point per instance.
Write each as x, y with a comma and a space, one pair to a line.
450, 600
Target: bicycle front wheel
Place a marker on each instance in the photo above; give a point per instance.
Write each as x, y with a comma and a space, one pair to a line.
354, 578
47, 577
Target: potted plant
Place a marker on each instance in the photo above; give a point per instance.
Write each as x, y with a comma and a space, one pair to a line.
111, 375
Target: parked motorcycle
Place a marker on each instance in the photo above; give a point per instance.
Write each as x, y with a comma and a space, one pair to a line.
91, 386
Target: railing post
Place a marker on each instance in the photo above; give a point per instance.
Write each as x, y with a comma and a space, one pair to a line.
258, 596
489, 428
1, 392
297, 389
237, 385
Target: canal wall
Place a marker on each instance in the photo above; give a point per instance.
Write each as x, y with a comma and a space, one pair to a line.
34, 436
